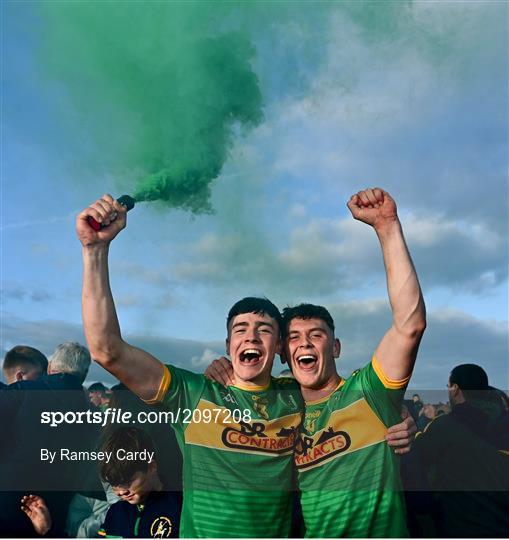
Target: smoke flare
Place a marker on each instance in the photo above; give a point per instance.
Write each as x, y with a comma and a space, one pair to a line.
159, 89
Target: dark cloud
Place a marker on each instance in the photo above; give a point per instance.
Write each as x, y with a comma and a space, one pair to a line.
451, 338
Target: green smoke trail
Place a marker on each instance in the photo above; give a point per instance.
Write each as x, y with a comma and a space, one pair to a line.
159, 89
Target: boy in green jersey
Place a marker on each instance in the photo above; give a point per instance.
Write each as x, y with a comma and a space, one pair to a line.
237, 443
348, 476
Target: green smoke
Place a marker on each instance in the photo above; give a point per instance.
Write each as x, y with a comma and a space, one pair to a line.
159, 88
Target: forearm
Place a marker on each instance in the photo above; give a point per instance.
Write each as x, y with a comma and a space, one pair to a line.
405, 296
100, 320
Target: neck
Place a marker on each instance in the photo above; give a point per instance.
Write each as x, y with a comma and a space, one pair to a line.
313, 394
252, 384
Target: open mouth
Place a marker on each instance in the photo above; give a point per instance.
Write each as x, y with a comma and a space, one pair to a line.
307, 361
249, 357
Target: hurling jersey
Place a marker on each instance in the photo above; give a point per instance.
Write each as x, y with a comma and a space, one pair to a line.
237, 472
348, 475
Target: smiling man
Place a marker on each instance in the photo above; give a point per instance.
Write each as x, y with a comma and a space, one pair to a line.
348, 476
237, 443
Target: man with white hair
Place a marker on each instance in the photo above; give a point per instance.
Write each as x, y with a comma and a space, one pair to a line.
23, 468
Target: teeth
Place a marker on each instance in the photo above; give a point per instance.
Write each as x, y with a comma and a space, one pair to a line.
306, 357
252, 351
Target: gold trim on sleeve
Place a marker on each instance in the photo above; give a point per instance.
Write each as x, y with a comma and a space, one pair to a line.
388, 383
163, 388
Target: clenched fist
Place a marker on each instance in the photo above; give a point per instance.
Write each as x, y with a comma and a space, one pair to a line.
107, 211
373, 206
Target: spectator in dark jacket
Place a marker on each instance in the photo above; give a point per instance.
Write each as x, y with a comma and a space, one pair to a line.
461, 451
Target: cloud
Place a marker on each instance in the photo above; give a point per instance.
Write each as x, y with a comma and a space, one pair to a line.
201, 362
452, 337
141, 273
45, 335
18, 292
328, 255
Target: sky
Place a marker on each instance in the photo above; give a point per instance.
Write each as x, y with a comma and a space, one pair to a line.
336, 97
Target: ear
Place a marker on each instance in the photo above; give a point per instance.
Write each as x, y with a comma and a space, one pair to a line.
337, 348
19, 375
454, 389
49, 367
280, 348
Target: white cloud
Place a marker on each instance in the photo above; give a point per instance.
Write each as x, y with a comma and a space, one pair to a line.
206, 358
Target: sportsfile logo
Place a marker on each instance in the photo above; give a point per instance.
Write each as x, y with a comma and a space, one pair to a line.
310, 451
254, 437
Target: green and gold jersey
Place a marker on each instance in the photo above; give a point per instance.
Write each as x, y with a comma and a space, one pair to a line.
348, 475
237, 448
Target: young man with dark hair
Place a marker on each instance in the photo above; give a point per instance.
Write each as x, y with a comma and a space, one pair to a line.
237, 444
348, 476
23, 363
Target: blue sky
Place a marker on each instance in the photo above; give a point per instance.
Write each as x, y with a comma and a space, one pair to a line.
420, 110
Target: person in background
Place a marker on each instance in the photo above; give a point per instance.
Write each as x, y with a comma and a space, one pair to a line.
418, 404
146, 509
426, 415
23, 363
97, 396
466, 465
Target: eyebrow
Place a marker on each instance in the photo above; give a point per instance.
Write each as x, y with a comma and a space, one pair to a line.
257, 324
314, 329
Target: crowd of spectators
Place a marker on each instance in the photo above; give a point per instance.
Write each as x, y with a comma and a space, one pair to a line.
456, 476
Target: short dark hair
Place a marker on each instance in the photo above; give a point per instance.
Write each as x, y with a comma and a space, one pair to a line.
130, 439
306, 311
260, 306
23, 355
469, 377
97, 387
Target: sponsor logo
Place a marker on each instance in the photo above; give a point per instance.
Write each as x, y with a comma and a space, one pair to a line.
260, 406
310, 452
309, 420
161, 527
253, 437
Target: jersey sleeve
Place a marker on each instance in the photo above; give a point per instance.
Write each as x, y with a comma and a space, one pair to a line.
179, 389
384, 395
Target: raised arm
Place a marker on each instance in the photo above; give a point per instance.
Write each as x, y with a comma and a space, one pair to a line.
397, 351
137, 369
